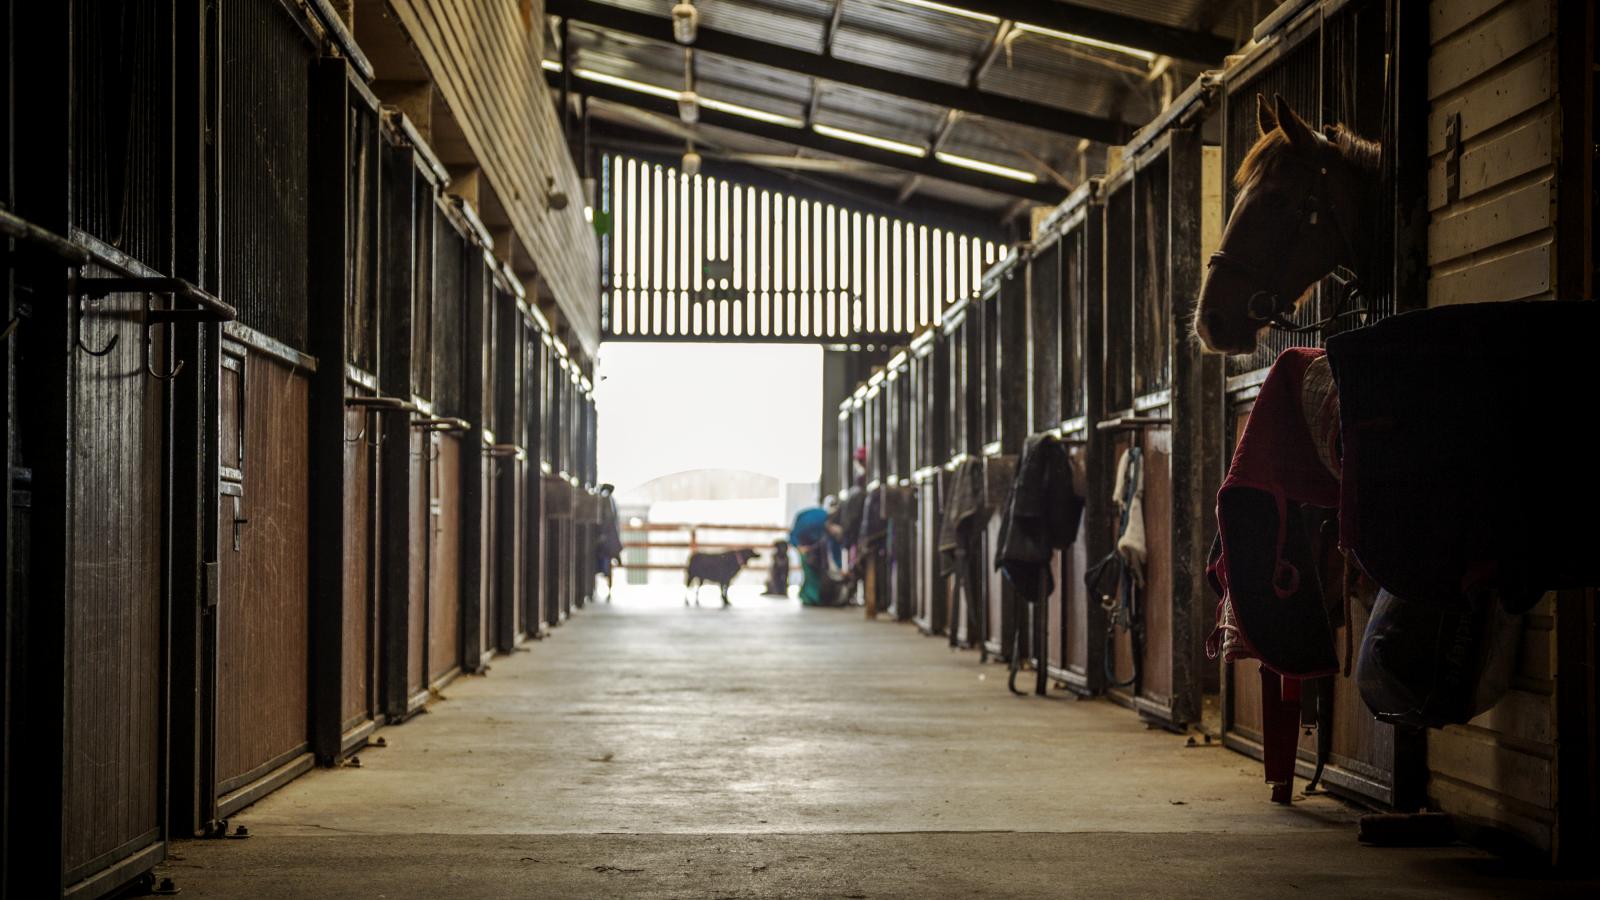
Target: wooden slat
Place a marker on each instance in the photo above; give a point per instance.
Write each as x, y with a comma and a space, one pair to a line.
1493, 100
1516, 275
1445, 19
1469, 229
1524, 149
1478, 758
1507, 31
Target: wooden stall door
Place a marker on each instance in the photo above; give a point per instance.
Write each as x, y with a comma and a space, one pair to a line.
1073, 599
359, 698
444, 560
488, 544
506, 565
421, 531
264, 599
111, 800
1156, 690
931, 587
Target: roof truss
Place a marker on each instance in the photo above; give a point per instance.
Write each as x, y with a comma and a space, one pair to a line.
1040, 192
967, 99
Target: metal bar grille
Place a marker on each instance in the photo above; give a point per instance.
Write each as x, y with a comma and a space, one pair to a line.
265, 149
1044, 280
362, 214
1073, 322
1334, 75
122, 121
1119, 297
424, 210
704, 258
451, 256
1152, 299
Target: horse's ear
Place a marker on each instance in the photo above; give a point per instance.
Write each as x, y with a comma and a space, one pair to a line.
1294, 127
1266, 119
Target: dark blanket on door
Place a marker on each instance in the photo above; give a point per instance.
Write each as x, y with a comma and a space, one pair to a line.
1041, 516
1466, 460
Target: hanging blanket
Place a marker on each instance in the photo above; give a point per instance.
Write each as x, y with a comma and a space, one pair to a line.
1041, 516
1262, 566
1463, 457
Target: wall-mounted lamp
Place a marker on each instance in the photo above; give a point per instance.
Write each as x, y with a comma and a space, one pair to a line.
689, 107
685, 22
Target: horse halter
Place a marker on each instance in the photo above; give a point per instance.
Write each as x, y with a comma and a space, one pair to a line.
1268, 306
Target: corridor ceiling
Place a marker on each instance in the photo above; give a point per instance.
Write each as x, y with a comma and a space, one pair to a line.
981, 105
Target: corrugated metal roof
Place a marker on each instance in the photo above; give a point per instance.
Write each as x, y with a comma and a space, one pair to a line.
923, 40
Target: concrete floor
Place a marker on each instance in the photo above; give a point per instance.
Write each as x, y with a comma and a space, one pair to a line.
648, 750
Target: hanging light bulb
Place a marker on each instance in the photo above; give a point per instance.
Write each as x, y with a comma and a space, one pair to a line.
689, 107
691, 163
685, 22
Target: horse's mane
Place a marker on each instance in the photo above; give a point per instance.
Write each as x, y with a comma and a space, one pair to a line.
1274, 146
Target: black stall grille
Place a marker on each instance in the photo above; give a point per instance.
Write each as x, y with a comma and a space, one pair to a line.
1296, 77
1074, 322
1044, 311
1118, 277
449, 331
361, 199
1335, 74
266, 74
1152, 298
122, 121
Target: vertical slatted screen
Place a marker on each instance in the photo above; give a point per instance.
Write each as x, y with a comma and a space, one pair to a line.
265, 150
362, 214
1296, 76
1152, 296
1044, 331
709, 259
1074, 322
1333, 75
122, 117
1118, 278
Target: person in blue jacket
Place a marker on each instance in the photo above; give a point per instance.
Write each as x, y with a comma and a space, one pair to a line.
810, 538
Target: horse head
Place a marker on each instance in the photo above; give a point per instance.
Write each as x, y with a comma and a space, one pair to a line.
1297, 214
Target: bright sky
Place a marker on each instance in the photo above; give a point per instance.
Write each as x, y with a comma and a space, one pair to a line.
667, 408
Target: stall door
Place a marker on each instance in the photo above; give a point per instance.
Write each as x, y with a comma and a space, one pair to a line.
444, 559
488, 543
359, 695
421, 532
263, 626
111, 800
931, 586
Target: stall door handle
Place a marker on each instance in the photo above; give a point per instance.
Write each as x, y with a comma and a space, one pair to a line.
237, 521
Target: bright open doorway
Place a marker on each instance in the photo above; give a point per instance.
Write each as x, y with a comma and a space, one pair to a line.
701, 437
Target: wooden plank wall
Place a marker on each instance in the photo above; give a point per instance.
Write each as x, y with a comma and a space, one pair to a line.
1492, 237
483, 56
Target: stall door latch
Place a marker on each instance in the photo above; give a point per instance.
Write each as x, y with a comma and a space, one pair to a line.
237, 521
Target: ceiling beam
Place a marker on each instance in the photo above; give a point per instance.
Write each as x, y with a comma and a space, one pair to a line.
1039, 192
1104, 25
816, 65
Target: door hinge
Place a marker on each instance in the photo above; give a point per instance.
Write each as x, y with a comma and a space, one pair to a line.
213, 585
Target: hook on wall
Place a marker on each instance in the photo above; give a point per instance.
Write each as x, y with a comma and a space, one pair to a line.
77, 323
207, 309
372, 405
